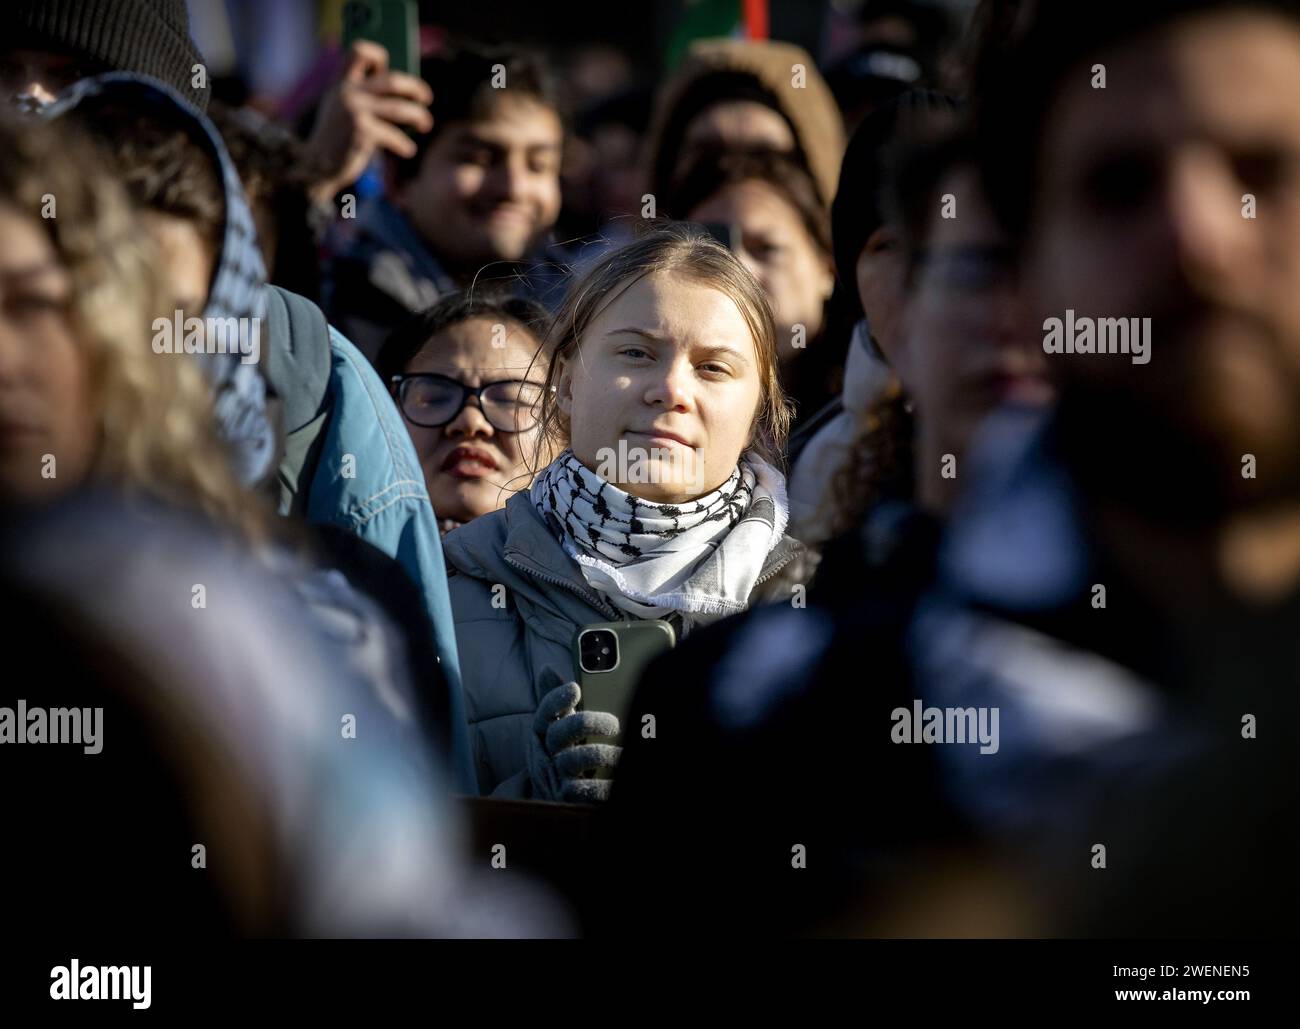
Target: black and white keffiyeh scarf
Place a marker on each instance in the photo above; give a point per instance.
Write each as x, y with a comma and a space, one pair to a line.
703, 556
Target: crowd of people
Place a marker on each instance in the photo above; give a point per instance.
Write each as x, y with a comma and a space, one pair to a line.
311, 488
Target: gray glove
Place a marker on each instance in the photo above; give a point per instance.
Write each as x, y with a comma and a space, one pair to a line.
559, 766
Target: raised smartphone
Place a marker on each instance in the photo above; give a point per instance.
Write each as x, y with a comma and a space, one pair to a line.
394, 24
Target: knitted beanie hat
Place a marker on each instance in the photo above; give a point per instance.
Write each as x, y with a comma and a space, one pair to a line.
147, 37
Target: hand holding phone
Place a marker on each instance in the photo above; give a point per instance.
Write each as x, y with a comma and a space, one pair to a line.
393, 24
609, 658
377, 101
563, 761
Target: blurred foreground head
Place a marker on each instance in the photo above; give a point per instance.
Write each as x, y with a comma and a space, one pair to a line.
83, 396
965, 346
1150, 157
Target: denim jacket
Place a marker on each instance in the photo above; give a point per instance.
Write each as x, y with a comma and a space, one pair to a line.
372, 486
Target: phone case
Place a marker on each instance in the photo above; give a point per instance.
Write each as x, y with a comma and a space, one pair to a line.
394, 24
639, 643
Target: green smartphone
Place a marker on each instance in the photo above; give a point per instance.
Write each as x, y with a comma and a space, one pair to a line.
609, 657
394, 24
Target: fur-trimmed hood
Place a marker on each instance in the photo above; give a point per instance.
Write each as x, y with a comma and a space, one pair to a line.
709, 75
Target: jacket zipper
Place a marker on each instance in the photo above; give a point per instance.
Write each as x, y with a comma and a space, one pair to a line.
590, 598
794, 552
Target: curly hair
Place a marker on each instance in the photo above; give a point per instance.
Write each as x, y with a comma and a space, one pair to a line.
278, 174
157, 437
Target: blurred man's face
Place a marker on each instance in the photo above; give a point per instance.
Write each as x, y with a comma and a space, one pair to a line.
489, 190
967, 345
1140, 213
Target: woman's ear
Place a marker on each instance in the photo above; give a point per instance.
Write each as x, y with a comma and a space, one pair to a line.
564, 385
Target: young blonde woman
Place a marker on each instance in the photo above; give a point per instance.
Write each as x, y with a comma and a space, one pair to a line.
663, 403
84, 401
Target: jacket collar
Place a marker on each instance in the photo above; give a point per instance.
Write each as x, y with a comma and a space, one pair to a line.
786, 550
514, 546
517, 539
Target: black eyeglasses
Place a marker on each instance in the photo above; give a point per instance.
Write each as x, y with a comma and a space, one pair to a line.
431, 401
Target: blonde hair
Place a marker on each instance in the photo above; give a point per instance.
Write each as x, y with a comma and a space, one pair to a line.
157, 434
682, 250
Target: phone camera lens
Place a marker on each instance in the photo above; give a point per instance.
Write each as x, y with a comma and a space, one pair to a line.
598, 650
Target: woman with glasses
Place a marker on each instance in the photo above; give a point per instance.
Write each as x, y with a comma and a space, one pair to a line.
466, 375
